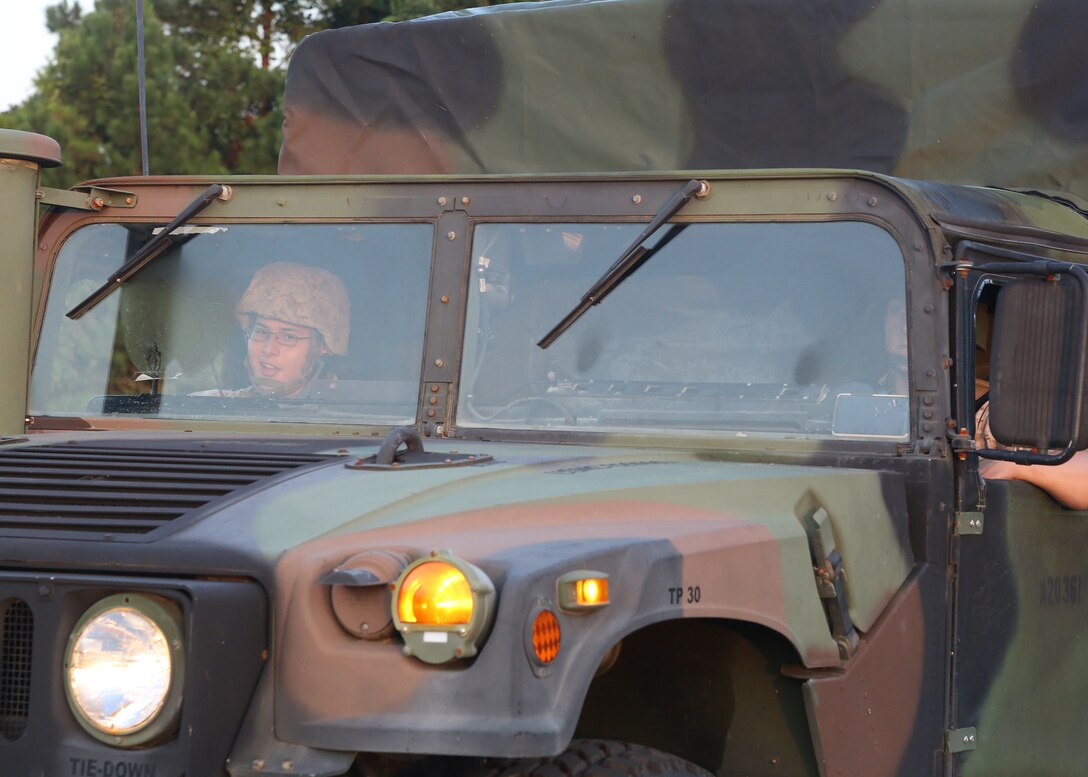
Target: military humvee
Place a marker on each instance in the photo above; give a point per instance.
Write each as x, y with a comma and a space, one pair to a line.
640, 473
702, 520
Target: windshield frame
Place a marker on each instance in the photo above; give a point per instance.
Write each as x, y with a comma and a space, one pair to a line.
454, 206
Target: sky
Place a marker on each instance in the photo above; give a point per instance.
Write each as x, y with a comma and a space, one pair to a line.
25, 46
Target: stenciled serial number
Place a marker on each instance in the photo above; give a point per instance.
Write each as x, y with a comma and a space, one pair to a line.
1056, 590
690, 595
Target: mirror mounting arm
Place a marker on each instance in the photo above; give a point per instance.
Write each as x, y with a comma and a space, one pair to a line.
1027, 457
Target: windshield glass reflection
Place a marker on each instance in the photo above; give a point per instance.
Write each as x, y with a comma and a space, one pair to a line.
746, 327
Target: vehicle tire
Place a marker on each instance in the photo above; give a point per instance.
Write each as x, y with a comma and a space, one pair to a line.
598, 758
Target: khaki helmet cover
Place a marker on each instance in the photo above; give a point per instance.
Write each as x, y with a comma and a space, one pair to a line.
301, 295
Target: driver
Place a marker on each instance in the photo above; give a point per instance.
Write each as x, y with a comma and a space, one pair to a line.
293, 316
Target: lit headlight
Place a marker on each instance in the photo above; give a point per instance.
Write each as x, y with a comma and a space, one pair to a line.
124, 667
435, 592
442, 607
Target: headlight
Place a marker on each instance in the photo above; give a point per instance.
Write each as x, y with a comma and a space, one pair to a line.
442, 607
435, 592
124, 667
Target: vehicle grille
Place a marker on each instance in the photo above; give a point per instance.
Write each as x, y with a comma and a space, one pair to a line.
81, 490
16, 641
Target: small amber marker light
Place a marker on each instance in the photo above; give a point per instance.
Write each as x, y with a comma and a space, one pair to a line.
546, 636
582, 589
592, 592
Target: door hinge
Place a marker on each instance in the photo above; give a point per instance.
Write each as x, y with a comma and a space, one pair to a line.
960, 740
969, 523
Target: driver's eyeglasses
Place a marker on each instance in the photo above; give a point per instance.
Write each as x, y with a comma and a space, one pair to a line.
259, 334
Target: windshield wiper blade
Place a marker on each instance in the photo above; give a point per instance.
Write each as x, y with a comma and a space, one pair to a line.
149, 250
632, 258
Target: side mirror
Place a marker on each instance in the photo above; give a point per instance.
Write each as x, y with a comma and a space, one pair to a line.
1037, 363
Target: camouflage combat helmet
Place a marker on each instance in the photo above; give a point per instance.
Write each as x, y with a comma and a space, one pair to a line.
302, 295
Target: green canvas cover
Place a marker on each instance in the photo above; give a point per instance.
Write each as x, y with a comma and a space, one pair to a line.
973, 91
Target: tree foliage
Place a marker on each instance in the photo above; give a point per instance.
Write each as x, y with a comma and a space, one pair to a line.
214, 73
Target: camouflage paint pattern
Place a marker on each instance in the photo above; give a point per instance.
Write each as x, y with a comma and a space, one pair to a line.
733, 526
863, 720
664, 516
978, 91
1022, 659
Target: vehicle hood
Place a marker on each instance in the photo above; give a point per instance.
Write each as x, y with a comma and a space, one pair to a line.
529, 501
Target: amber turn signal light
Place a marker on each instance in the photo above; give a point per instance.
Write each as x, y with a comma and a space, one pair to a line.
592, 592
582, 590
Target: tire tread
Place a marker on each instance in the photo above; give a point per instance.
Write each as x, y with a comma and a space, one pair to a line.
601, 758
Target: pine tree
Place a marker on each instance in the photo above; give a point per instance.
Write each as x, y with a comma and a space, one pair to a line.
214, 73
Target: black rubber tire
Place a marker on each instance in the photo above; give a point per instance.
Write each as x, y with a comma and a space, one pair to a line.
598, 758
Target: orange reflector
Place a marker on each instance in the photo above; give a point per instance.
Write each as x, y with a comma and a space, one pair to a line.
546, 636
435, 593
592, 592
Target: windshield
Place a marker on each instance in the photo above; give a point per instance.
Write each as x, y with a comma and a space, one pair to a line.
793, 328
314, 322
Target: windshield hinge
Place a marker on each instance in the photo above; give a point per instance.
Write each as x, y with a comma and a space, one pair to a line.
86, 198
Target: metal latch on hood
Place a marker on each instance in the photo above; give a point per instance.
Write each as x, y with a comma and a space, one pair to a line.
827, 566
390, 457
